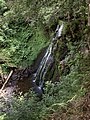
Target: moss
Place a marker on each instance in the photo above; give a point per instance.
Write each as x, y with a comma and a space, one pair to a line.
25, 45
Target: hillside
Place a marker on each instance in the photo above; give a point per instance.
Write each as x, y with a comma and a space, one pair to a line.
29, 46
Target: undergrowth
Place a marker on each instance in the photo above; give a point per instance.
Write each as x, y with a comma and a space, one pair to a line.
20, 44
57, 95
22, 47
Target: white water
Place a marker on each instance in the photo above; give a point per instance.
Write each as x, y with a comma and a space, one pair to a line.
47, 60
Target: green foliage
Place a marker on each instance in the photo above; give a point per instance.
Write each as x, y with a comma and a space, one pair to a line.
26, 45
56, 96
2, 117
18, 15
2, 6
21, 42
22, 36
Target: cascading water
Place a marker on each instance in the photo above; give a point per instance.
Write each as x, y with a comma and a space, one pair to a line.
45, 63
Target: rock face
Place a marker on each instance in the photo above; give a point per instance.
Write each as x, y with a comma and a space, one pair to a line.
59, 54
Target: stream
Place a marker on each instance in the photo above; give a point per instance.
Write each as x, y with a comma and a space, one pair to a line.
45, 63
23, 80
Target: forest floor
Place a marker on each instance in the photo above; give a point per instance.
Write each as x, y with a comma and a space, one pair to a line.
75, 110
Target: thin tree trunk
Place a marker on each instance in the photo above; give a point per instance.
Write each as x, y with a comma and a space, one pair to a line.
89, 14
88, 24
6, 81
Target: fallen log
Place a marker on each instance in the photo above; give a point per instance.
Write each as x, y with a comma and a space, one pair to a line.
6, 81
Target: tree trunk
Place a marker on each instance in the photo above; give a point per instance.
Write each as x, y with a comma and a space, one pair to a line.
89, 14
88, 34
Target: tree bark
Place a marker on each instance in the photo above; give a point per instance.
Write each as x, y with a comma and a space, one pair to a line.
6, 81
89, 13
88, 34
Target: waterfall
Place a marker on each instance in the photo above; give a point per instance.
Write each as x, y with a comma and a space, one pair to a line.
46, 61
